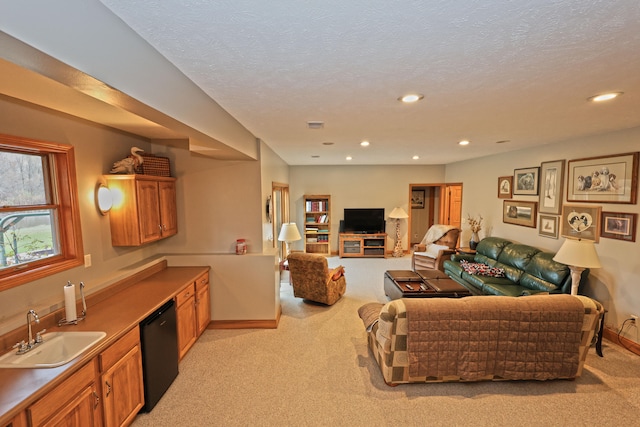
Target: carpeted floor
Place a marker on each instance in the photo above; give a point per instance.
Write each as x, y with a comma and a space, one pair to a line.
316, 370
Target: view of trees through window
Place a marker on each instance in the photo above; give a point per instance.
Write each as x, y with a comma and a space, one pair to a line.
27, 226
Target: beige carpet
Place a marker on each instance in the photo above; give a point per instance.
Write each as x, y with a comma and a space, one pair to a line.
316, 370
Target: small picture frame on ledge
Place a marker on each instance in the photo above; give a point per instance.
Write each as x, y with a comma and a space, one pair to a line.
505, 187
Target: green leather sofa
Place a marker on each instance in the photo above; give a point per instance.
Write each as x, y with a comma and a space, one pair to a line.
527, 270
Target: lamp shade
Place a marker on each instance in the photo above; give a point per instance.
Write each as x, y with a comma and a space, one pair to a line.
578, 253
289, 232
398, 213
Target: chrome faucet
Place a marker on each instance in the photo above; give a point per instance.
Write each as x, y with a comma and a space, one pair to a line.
31, 314
23, 346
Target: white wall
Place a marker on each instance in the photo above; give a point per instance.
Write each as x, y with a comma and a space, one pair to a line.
273, 169
616, 284
96, 148
359, 187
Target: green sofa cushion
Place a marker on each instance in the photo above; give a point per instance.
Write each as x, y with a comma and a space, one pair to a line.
481, 282
545, 274
512, 290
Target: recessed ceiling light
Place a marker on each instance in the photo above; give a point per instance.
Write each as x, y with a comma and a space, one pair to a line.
327, 143
315, 124
411, 97
464, 142
604, 96
349, 158
503, 141
416, 157
364, 143
315, 156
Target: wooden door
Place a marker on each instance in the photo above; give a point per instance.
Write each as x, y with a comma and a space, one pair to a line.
168, 209
453, 205
148, 210
79, 412
122, 389
203, 303
186, 320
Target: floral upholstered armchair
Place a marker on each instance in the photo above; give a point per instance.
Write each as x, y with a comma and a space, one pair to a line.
312, 279
437, 246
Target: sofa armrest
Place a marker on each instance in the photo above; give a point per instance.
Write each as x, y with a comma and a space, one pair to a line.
460, 257
443, 255
419, 247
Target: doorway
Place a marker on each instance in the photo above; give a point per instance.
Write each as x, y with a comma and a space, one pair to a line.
279, 213
432, 204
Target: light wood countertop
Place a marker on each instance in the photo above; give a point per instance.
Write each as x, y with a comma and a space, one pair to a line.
116, 314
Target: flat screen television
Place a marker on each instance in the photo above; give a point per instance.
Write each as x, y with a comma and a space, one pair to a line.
364, 221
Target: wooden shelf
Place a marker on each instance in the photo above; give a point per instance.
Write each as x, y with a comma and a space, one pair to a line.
352, 245
317, 224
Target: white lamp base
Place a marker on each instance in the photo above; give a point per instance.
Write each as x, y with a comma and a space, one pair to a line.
576, 272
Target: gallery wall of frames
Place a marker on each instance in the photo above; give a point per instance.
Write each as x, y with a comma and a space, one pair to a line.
576, 198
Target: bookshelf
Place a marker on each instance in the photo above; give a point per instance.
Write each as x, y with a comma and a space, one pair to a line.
317, 224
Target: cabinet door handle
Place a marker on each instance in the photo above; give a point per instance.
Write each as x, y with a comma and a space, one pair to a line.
108, 388
97, 398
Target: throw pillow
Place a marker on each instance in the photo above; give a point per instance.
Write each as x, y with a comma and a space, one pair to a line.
481, 269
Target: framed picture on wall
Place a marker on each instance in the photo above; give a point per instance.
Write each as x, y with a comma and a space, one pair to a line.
417, 199
581, 222
519, 212
505, 187
618, 225
525, 181
606, 179
548, 226
551, 189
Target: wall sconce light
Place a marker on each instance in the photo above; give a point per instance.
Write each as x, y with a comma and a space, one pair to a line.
104, 199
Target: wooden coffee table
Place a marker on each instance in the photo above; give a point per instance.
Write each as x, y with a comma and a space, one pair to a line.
421, 284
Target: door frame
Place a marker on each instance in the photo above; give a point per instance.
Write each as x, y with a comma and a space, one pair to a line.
280, 206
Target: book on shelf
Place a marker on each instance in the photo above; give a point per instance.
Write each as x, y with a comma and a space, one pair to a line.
316, 205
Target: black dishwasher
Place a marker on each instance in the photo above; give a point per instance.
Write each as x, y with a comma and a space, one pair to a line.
159, 353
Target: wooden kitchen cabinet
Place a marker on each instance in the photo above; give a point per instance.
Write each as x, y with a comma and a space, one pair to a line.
73, 403
144, 209
18, 421
186, 319
121, 377
203, 303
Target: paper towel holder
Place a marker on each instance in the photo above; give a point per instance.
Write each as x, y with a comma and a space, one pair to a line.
64, 321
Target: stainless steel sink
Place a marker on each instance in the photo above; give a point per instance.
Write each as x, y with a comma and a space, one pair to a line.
56, 349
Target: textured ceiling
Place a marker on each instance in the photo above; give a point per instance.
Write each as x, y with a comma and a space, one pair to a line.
490, 71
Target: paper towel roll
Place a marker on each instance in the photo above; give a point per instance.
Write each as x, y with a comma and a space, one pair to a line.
70, 302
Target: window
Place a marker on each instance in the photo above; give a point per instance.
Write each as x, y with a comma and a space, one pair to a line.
39, 215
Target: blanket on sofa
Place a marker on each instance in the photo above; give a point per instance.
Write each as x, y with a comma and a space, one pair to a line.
435, 232
495, 337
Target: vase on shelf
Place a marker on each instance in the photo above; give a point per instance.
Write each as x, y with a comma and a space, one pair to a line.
473, 241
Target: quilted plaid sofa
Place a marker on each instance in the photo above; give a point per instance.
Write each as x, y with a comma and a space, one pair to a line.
481, 338
525, 270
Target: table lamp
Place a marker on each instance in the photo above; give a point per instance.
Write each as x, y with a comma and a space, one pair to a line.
289, 233
578, 254
398, 214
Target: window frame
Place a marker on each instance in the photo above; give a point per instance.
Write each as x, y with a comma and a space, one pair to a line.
64, 186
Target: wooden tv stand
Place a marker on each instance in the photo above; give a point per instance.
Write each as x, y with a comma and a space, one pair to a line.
362, 245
